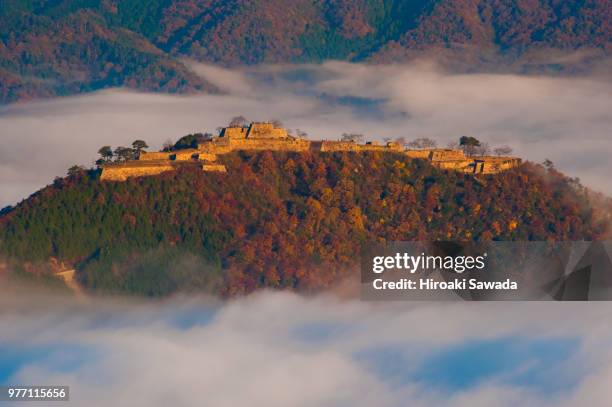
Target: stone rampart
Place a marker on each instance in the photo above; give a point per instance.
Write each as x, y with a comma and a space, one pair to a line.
423, 154
265, 131
121, 172
234, 132
285, 144
331, 146
184, 155
494, 165
265, 136
214, 168
446, 155
157, 155
457, 165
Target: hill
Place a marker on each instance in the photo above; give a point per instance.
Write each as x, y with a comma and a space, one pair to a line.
63, 47
279, 219
50, 49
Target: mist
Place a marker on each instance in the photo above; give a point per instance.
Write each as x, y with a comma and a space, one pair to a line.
279, 349
563, 119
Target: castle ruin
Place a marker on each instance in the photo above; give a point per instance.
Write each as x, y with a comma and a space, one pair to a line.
265, 136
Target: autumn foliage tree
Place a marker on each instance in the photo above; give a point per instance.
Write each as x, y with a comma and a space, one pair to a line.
282, 220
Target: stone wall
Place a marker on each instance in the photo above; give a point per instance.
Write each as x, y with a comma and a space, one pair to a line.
179, 155
286, 144
264, 136
121, 172
424, 154
224, 146
214, 168
339, 146
377, 147
233, 132
493, 165
184, 155
437, 154
457, 165
254, 131
448, 159
479, 165
202, 156
219, 145
446, 154
157, 155
265, 130
331, 146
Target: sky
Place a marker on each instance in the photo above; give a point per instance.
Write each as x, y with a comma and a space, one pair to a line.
563, 119
280, 349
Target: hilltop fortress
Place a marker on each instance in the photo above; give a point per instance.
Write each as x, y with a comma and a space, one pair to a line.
265, 136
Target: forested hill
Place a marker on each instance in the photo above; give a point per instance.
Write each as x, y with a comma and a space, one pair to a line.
292, 220
56, 47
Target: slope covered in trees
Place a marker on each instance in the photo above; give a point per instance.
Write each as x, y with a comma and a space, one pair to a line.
58, 48
55, 47
281, 220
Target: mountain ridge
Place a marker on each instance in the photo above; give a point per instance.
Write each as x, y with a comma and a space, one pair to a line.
64, 47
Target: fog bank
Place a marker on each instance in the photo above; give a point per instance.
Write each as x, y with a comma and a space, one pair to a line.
279, 349
564, 119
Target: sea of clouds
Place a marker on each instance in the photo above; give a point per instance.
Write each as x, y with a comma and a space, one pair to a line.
565, 119
281, 349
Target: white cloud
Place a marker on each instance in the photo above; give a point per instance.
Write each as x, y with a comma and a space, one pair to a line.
227, 80
278, 349
564, 119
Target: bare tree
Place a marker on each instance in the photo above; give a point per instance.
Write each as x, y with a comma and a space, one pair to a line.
352, 137
482, 149
277, 123
401, 141
301, 133
167, 146
238, 121
548, 164
503, 150
387, 139
453, 145
423, 142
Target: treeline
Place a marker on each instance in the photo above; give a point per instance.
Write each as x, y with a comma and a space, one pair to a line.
107, 154
282, 220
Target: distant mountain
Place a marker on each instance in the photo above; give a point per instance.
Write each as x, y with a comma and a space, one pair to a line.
57, 47
279, 220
